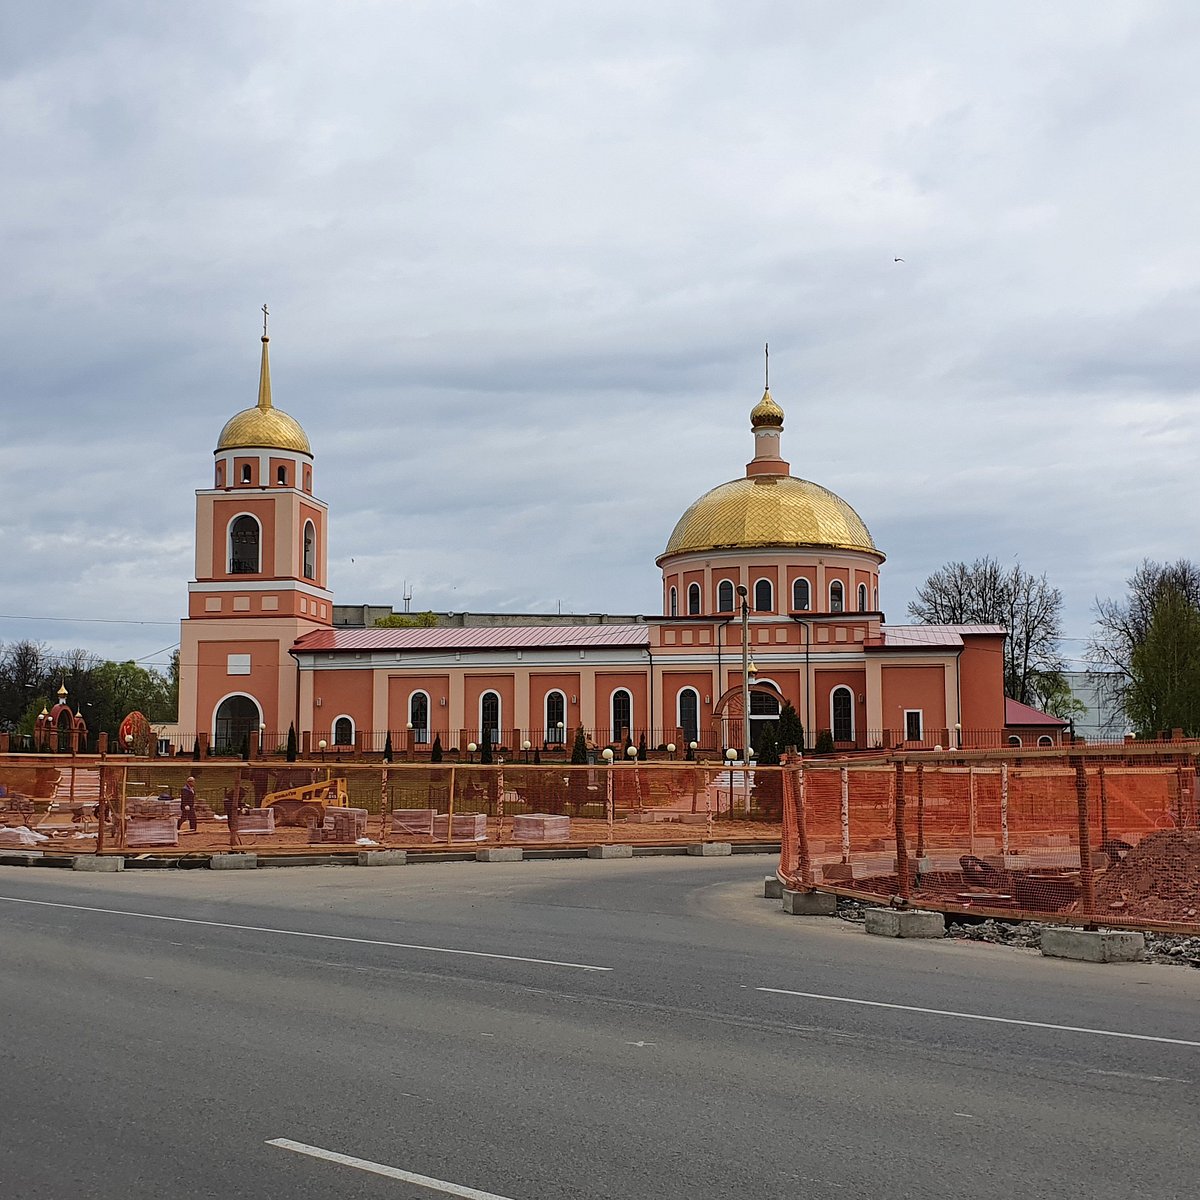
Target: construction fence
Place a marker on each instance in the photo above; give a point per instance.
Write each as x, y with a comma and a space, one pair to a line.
125, 805
1061, 839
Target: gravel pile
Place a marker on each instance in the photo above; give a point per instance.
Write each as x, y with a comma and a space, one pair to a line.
1178, 950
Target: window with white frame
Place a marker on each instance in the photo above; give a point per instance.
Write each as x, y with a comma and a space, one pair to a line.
688, 717
764, 596
310, 550
693, 599
418, 716
725, 596
621, 708
245, 537
556, 718
489, 717
343, 732
1045, 741
801, 595
837, 596
841, 714
673, 603
862, 597
1013, 740
914, 730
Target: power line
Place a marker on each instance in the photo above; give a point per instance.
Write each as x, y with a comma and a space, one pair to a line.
82, 620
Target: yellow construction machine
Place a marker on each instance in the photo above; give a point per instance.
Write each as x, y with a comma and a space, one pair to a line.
306, 804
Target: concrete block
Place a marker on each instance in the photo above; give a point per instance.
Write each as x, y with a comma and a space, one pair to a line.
709, 849
499, 854
382, 858
98, 862
832, 872
905, 923
1093, 945
773, 888
610, 852
690, 818
233, 862
809, 904
922, 865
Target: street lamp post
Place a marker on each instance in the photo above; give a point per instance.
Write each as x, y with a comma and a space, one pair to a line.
471, 748
562, 733
731, 758
958, 735
526, 745
671, 750
743, 593
409, 747
321, 746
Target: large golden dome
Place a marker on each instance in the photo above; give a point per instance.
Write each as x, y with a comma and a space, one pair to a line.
769, 510
263, 426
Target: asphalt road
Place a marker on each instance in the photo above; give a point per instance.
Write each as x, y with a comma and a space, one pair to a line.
151, 1057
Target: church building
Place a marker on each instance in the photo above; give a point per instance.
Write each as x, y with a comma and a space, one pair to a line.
772, 555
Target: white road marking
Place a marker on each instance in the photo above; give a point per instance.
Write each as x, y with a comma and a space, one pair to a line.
1135, 1075
942, 1012
325, 937
641, 1043
365, 1164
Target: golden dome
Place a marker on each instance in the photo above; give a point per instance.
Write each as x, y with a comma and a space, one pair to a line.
267, 428
766, 412
769, 510
263, 426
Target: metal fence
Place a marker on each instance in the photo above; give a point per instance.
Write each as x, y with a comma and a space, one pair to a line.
122, 804
1073, 839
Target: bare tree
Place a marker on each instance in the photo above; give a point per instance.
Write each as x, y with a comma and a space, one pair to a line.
985, 593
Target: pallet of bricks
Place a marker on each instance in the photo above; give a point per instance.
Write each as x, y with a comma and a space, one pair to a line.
344, 825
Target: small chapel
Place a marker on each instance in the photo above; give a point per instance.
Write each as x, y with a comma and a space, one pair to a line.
770, 593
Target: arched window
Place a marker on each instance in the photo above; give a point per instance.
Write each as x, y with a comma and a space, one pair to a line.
622, 714
343, 732
1045, 741
418, 716
801, 595
688, 704
837, 596
673, 603
220, 474
862, 597
875, 606
489, 717
1013, 740
725, 596
764, 596
693, 599
556, 718
281, 477
310, 550
233, 719
245, 472
244, 535
841, 714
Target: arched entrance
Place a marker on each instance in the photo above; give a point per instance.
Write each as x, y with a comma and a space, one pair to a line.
765, 703
235, 717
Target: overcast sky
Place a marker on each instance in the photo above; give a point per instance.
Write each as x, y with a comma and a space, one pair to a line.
522, 258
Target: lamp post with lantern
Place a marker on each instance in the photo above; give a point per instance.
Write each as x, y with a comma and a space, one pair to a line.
731, 758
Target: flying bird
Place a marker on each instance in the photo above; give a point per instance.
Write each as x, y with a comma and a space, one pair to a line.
897, 260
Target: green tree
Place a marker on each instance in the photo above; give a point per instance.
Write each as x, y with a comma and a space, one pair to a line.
435, 753
791, 732
292, 747
387, 747
485, 747
1164, 685
641, 753
579, 748
768, 785
825, 742
421, 620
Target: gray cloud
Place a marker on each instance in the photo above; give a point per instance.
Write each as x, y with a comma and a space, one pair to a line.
522, 260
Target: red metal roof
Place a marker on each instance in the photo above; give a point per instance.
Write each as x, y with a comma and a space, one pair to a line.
1016, 713
898, 637
488, 637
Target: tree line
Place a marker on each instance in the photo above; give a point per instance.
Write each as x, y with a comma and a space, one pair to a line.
1144, 653
102, 691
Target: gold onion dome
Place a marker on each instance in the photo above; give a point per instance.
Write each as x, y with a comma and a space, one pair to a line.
769, 510
766, 412
263, 426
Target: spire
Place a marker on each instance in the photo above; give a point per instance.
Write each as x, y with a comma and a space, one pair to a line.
264, 375
766, 420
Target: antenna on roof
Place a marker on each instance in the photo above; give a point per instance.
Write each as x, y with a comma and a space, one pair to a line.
407, 596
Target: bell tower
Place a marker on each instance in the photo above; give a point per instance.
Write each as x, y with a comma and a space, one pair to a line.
260, 581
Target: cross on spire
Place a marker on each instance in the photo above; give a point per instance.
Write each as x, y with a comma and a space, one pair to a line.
265, 313
767, 365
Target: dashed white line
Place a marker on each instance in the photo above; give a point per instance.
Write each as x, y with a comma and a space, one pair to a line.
365, 1164
942, 1012
325, 937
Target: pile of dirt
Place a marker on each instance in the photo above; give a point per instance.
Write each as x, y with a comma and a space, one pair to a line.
1158, 880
